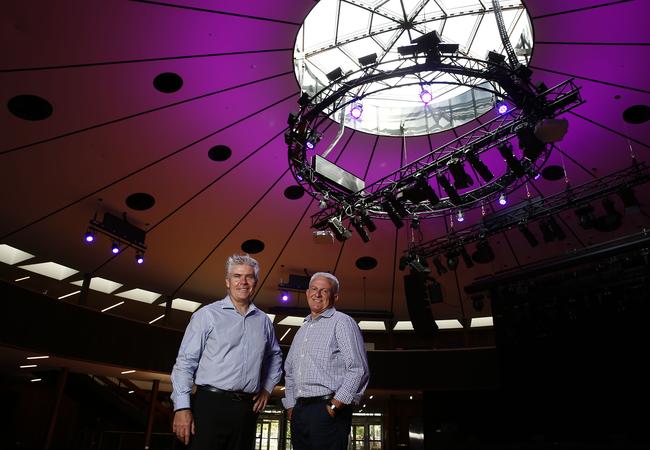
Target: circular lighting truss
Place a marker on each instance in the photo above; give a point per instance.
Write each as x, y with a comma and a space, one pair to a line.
409, 190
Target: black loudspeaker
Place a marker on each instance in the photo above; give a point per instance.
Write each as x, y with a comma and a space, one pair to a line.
421, 291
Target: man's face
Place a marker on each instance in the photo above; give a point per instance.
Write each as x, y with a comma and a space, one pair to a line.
319, 295
241, 283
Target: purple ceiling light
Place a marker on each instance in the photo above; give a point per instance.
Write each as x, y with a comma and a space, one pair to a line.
502, 107
425, 96
356, 111
503, 199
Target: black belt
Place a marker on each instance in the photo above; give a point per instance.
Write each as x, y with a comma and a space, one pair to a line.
234, 395
309, 400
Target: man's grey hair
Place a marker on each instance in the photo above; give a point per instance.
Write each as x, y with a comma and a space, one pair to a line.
329, 276
242, 260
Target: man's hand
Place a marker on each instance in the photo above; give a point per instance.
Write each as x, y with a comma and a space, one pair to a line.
289, 413
337, 403
260, 400
183, 425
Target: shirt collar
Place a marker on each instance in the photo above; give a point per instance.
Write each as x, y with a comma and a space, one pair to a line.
227, 303
329, 312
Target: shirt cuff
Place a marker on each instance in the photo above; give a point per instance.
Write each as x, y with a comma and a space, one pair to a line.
344, 397
182, 403
288, 403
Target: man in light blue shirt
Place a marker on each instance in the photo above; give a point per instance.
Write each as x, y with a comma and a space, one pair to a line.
231, 353
326, 371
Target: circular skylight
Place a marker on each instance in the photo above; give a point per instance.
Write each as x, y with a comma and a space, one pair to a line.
337, 33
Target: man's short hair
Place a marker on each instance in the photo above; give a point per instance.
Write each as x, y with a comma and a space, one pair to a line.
329, 276
242, 260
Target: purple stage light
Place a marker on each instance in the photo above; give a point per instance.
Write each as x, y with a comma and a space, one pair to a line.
89, 237
139, 259
115, 248
356, 111
425, 96
284, 297
309, 145
502, 199
502, 107
460, 217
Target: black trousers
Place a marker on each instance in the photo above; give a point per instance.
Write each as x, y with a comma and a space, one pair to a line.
312, 428
222, 422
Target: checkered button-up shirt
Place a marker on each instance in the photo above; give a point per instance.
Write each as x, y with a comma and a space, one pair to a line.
327, 356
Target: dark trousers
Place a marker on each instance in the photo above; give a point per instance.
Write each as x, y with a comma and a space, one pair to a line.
222, 422
312, 428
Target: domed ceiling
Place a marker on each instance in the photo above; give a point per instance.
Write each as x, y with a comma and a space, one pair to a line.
174, 113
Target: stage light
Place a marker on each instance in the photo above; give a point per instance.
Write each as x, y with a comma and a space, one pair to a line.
460, 216
503, 199
420, 191
363, 233
115, 248
630, 201
448, 188
480, 167
448, 48
611, 220
312, 139
368, 60
335, 74
284, 297
397, 205
547, 233
466, 258
551, 230
452, 259
408, 50
425, 96
483, 253
340, 232
89, 237
513, 163
586, 216
440, 269
139, 258
292, 119
502, 107
392, 214
304, 99
530, 144
356, 111
556, 229
367, 221
528, 235
461, 179
496, 58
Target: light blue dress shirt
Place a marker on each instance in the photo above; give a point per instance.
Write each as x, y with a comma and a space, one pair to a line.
327, 356
223, 349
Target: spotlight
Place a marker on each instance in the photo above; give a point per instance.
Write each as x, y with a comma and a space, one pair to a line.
502, 107
630, 202
425, 96
139, 258
356, 223
408, 50
586, 216
556, 229
397, 205
496, 58
460, 217
335, 74
461, 178
115, 249
439, 267
304, 99
367, 221
368, 59
413, 261
89, 237
503, 199
513, 163
284, 297
312, 139
466, 258
340, 232
448, 188
530, 237
392, 214
483, 253
611, 220
448, 48
530, 144
356, 111
420, 191
452, 259
480, 167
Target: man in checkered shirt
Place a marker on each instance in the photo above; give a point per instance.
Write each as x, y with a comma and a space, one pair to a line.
326, 371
